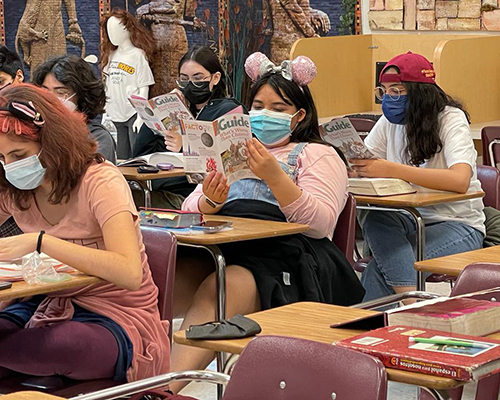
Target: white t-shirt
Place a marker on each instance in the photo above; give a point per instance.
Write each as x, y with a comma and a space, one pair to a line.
127, 72
387, 140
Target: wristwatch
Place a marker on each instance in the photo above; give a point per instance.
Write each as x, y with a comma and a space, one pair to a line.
211, 203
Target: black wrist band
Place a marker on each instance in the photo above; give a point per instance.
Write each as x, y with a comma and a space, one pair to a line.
39, 242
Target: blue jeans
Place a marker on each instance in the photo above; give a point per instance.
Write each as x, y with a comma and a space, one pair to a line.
391, 239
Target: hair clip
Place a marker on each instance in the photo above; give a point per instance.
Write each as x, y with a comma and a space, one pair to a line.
301, 70
24, 111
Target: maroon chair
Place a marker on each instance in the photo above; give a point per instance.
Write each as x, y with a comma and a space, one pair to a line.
161, 249
490, 182
345, 231
490, 140
473, 278
362, 125
279, 368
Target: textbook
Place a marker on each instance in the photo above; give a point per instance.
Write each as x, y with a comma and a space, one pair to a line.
379, 186
218, 145
176, 159
460, 357
161, 113
342, 135
463, 315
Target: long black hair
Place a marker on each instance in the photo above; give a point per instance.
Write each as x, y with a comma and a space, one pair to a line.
425, 102
207, 58
76, 74
306, 130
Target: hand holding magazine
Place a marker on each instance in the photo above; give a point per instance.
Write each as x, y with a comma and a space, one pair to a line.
218, 145
342, 135
162, 113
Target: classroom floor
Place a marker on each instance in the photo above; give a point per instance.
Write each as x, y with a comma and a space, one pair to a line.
397, 391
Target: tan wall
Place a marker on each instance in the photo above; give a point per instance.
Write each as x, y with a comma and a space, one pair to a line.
466, 66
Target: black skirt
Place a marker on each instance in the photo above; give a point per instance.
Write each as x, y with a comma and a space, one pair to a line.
292, 268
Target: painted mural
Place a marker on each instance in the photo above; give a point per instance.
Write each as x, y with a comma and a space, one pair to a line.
38, 29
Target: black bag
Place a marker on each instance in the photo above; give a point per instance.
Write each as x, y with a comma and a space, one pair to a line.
236, 328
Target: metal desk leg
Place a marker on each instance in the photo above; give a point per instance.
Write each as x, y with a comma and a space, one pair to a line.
220, 310
419, 233
420, 244
147, 193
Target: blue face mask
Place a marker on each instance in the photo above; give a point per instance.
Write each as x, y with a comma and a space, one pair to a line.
395, 110
270, 127
25, 174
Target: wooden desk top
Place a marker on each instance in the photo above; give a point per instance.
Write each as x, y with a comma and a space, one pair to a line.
243, 229
312, 321
30, 396
22, 289
131, 174
419, 199
454, 264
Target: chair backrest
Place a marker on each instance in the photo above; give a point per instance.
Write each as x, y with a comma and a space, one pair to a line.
362, 125
475, 277
488, 135
161, 249
490, 182
345, 231
276, 368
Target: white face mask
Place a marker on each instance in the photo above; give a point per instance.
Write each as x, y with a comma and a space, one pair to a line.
25, 174
69, 104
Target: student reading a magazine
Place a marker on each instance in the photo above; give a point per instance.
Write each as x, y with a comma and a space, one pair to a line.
300, 179
202, 85
58, 188
423, 138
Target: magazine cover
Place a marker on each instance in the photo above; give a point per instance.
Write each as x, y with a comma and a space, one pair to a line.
342, 135
219, 145
161, 113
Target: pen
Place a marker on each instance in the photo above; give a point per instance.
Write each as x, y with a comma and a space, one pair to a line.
449, 342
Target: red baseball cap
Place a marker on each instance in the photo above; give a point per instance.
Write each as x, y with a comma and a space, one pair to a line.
412, 68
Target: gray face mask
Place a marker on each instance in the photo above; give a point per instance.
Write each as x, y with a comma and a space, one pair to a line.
25, 174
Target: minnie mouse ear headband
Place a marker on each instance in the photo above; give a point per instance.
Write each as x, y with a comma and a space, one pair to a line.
301, 70
23, 112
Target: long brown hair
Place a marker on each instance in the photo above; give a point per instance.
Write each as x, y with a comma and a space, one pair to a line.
67, 149
139, 35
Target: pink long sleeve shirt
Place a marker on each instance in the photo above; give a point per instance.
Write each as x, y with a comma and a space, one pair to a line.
322, 177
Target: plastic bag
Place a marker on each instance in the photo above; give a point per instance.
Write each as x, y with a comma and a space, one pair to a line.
36, 270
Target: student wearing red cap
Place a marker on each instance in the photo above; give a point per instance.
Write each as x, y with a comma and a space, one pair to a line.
424, 138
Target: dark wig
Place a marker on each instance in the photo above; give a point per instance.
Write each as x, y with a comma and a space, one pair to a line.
425, 102
76, 74
207, 58
10, 62
306, 130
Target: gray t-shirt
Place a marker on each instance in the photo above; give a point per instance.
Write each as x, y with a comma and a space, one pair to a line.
105, 143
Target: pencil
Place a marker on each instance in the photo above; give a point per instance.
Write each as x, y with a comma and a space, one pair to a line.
449, 342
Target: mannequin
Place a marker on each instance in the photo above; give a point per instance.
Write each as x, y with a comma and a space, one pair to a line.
126, 47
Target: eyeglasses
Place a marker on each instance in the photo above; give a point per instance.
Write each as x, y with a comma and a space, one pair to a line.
5, 85
63, 94
393, 92
198, 82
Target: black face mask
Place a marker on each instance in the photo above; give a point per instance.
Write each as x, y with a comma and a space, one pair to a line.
197, 95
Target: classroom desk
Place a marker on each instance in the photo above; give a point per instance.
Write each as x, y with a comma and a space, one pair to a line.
408, 203
455, 263
30, 396
476, 128
243, 229
312, 321
145, 180
22, 289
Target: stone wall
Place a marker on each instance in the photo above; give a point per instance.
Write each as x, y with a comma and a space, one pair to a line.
442, 15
